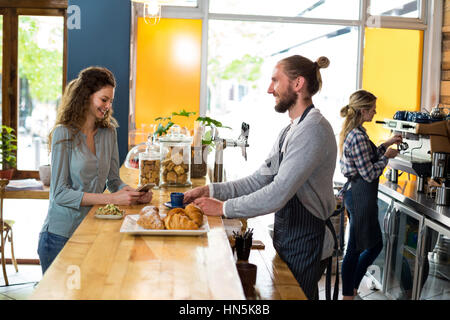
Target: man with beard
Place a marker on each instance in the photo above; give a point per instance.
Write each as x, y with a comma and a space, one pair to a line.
295, 182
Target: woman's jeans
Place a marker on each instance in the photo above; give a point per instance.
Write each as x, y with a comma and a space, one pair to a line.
355, 262
49, 246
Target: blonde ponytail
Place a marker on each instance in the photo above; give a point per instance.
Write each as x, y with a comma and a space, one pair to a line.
359, 100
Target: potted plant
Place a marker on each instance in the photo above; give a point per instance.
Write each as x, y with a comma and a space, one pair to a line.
205, 127
8, 145
166, 122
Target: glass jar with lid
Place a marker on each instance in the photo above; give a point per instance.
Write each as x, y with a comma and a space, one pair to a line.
149, 164
175, 159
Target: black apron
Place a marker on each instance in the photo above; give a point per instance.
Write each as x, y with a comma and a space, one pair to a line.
364, 214
298, 237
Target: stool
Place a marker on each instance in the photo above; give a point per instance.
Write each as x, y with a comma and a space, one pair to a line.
6, 233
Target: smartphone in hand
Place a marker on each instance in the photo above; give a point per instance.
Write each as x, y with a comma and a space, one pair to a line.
146, 187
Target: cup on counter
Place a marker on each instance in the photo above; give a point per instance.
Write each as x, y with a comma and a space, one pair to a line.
45, 173
176, 199
243, 246
247, 274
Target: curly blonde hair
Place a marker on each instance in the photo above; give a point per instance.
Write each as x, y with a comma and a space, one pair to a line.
75, 101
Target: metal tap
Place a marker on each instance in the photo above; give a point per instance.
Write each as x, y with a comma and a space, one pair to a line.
221, 144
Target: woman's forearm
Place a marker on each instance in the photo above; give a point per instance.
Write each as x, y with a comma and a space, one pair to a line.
90, 199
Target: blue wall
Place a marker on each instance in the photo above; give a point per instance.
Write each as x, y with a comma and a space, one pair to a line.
104, 40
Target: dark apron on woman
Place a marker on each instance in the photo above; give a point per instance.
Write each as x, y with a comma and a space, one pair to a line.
365, 209
298, 238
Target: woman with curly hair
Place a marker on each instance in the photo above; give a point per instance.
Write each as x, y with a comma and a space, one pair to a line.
84, 159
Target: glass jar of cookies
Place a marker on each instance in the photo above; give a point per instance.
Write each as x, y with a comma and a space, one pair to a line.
175, 158
149, 164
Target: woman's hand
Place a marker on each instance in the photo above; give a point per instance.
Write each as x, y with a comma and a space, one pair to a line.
396, 139
126, 196
210, 206
391, 153
146, 197
200, 192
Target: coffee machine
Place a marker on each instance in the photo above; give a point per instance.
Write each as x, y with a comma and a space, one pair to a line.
439, 133
425, 151
440, 172
415, 152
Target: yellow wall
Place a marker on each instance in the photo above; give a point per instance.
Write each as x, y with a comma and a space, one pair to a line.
168, 70
392, 71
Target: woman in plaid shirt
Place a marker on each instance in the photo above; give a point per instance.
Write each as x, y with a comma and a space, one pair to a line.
362, 163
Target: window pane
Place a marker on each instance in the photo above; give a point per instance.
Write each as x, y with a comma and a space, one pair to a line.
179, 3
1, 65
395, 8
40, 86
241, 59
332, 9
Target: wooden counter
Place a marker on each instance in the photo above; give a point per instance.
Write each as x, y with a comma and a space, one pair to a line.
98, 262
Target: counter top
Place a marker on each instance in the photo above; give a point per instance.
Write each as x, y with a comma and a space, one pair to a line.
99, 262
406, 193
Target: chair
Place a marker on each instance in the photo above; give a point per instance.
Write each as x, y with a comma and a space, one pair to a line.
6, 233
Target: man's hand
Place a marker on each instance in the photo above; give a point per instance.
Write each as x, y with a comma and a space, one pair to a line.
210, 206
196, 193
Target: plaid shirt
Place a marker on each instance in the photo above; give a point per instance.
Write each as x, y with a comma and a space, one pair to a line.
357, 156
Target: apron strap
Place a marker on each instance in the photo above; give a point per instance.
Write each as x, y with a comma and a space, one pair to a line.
329, 267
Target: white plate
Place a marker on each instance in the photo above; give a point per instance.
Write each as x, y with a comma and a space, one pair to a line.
130, 226
108, 216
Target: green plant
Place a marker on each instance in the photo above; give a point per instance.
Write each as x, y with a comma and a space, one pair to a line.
8, 145
162, 129
210, 123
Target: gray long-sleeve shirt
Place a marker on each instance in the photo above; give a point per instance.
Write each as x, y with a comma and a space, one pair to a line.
307, 171
76, 170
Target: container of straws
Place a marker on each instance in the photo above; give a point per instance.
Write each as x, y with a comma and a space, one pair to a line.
243, 244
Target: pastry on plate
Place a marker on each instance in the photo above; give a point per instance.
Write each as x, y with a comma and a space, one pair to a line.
194, 213
146, 209
179, 221
150, 219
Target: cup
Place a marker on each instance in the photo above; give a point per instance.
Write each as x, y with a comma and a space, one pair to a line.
243, 247
247, 274
45, 174
176, 199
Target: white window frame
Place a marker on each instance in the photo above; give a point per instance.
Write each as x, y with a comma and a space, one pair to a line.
429, 11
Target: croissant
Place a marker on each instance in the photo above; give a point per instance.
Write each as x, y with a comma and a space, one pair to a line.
176, 211
179, 221
195, 214
151, 220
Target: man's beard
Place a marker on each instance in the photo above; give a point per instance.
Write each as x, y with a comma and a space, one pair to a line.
286, 101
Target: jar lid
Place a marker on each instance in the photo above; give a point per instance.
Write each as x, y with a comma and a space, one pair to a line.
175, 135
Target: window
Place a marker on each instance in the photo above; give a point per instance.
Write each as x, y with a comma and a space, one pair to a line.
396, 8
241, 57
342, 9
180, 3
243, 40
40, 62
33, 77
